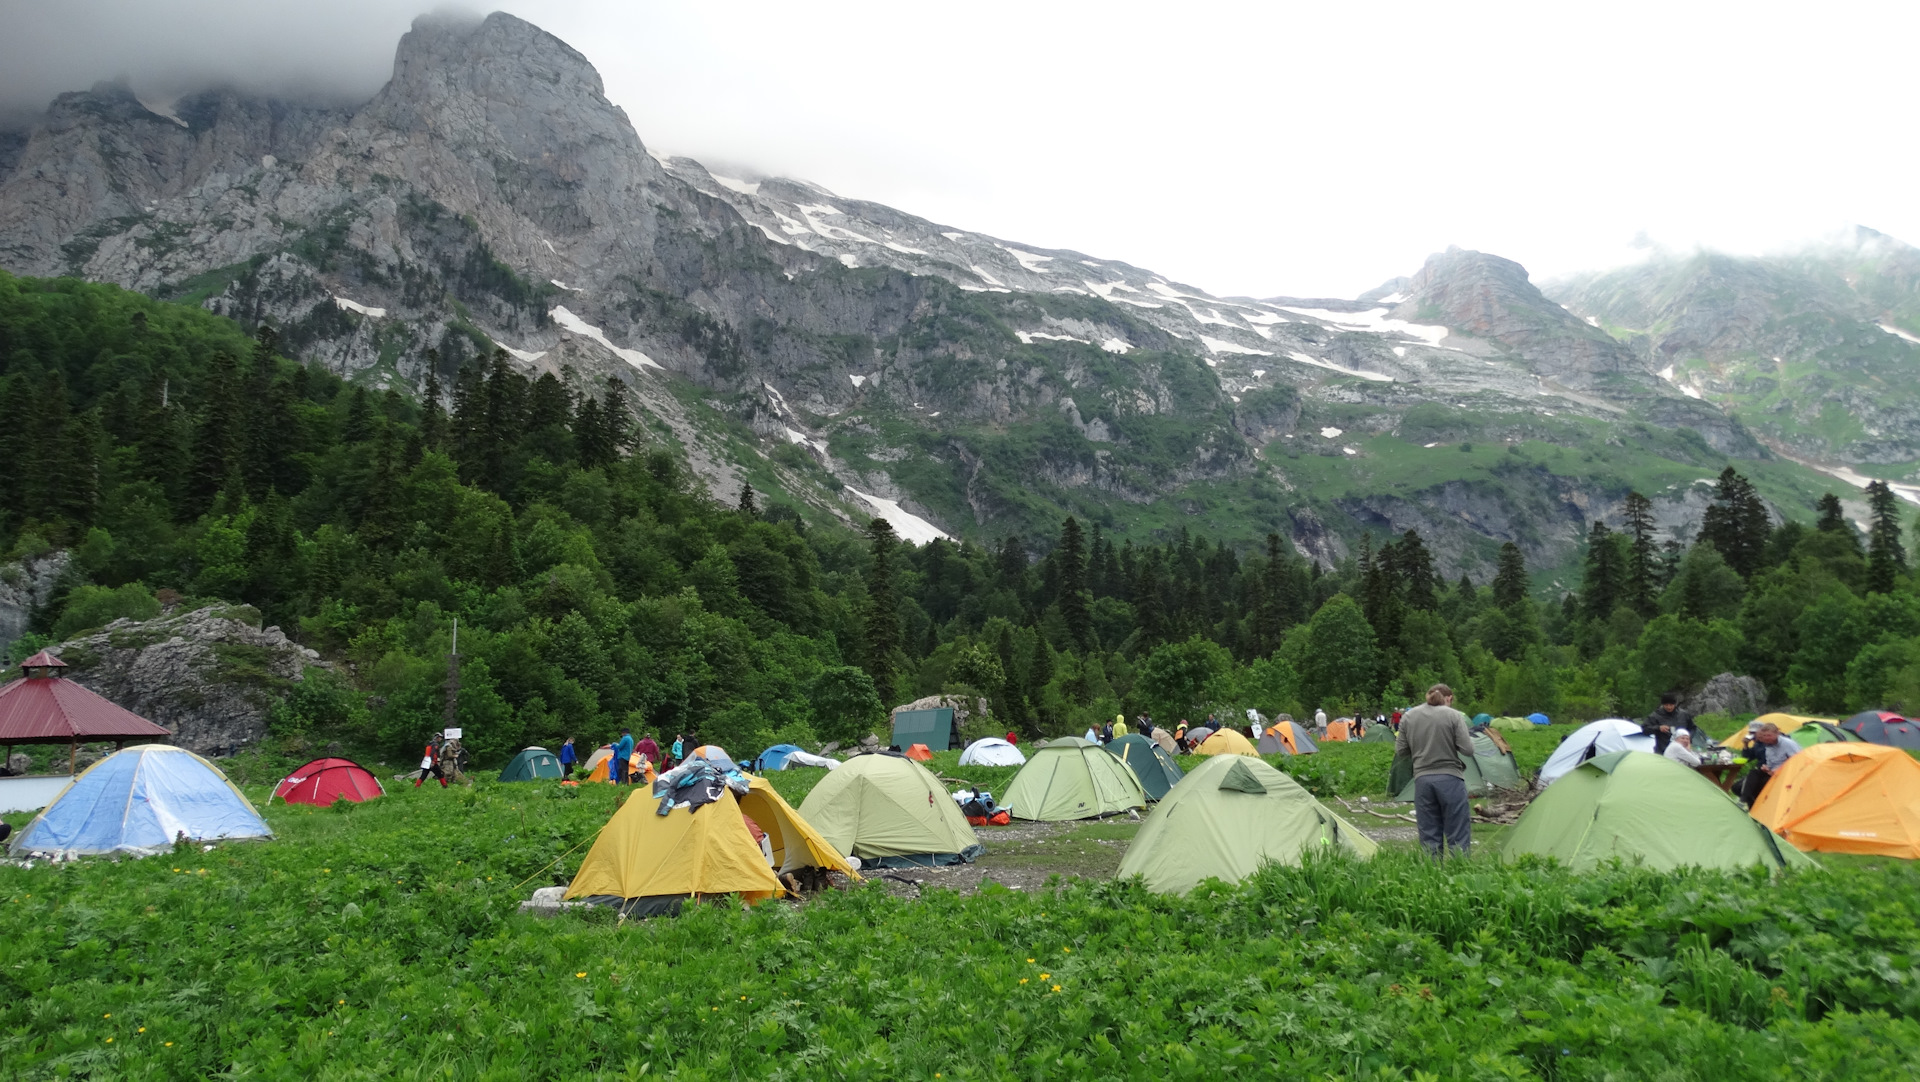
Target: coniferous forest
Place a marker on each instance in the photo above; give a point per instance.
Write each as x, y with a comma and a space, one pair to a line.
596, 584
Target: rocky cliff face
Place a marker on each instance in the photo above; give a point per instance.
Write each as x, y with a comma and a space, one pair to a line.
25, 586
860, 359
210, 675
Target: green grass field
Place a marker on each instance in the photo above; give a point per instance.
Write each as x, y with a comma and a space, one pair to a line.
385, 941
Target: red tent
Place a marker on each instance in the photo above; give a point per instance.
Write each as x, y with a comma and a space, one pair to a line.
43, 708
324, 781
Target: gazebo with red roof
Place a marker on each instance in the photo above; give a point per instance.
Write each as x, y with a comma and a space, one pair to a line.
43, 708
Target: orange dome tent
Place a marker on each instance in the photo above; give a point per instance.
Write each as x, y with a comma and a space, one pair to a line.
1846, 798
1338, 730
920, 753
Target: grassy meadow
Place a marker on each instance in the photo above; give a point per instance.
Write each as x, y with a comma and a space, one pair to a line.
384, 941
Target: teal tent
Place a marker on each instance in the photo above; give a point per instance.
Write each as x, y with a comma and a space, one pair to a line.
1487, 769
1150, 762
531, 765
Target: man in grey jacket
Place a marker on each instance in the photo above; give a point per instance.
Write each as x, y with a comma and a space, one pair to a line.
1435, 737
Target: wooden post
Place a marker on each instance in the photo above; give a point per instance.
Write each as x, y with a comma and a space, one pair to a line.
73, 756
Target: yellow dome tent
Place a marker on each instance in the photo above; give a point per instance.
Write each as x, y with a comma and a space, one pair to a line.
1788, 723
1226, 742
1846, 798
647, 863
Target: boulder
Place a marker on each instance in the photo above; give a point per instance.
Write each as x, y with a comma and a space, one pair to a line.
1728, 693
211, 675
25, 586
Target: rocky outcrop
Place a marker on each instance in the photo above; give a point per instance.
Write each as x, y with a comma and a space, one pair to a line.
211, 675
1728, 693
25, 585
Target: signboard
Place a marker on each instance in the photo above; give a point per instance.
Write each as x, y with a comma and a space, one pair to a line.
451, 734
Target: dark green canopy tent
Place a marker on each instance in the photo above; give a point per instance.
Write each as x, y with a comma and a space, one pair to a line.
1487, 769
532, 764
1150, 762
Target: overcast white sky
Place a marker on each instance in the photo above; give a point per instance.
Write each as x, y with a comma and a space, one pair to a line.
1248, 148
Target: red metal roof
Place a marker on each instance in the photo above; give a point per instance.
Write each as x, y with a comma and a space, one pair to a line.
43, 660
47, 709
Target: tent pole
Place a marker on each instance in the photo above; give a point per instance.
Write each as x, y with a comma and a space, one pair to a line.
73, 756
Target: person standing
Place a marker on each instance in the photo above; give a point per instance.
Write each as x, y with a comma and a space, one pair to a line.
679, 748
567, 758
1665, 720
623, 751
1319, 722
1435, 737
649, 750
430, 763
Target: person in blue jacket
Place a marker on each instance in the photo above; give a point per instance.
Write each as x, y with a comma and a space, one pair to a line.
622, 752
567, 759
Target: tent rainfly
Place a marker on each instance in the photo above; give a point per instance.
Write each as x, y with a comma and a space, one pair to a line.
1227, 817
992, 751
532, 764
1226, 742
887, 809
323, 781
1151, 763
1846, 797
44, 708
1594, 738
139, 800
1073, 778
1644, 808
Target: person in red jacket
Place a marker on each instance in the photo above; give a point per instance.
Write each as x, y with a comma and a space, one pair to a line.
1012, 737
430, 763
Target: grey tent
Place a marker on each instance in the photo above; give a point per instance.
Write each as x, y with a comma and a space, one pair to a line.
1275, 741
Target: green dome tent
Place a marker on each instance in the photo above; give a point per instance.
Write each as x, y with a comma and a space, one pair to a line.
1512, 725
1635, 805
1150, 762
1488, 769
1073, 778
532, 764
888, 810
1227, 817
1378, 734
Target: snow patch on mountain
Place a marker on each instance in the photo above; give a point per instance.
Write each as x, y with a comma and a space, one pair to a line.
1216, 345
568, 321
1340, 368
355, 306
1376, 321
1898, 333
911, 527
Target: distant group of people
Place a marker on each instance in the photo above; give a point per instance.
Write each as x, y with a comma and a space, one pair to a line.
630, 761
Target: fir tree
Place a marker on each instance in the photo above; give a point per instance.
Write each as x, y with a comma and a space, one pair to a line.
219, 433
1601, 586
747, 507
1643, 558
1832, 518
433, 418
1069, 558
1886, 556
1736, 523
1419, 583
615, 418
1011, 565
1510, 580
883, 609
592, 445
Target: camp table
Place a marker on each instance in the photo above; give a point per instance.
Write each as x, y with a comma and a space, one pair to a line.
1720, 774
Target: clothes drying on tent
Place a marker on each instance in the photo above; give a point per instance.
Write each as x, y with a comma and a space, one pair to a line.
532, 764
1643, 808
887, 809
1225, 819
1846, 798
1071, 778
1150, 763
1490, 767
992, 751
1226, 742
323, 781
138, 801
1881, 727
647, 864
1594, 738
775, 757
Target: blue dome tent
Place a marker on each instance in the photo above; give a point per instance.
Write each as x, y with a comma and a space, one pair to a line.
775, 757
138, 801
1539, 719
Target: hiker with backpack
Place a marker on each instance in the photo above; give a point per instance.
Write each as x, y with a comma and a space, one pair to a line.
430, 763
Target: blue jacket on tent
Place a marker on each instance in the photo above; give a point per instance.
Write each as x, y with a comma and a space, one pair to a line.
139, 800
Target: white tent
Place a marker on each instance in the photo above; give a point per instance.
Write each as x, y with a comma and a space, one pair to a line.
992, 751
803, 758
1594, 738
